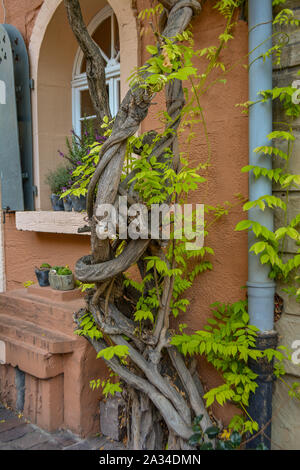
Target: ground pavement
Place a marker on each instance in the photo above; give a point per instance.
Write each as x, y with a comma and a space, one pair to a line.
16, 433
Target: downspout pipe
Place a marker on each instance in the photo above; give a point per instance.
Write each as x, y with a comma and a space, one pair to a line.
261, 289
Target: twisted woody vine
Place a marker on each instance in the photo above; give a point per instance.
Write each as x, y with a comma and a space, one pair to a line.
129, 322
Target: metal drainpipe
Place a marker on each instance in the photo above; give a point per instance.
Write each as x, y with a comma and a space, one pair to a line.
261, 289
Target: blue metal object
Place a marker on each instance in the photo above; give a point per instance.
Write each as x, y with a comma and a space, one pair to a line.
23, 87
10, 159
261, 289
15, 123
261, 304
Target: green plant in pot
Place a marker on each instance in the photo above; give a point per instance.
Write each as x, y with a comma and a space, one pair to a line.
83, 155
61, 278
42, 274
58, 180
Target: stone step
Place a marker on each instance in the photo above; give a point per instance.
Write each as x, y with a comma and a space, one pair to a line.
54, 295
30, 333
30, 359
46, 313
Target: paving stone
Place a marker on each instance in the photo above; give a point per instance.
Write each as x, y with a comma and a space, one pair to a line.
10, 424
78, 446
95, 443
15, 433
65, 438
113, 445
6, 414
7, 446
30, 439
50, 445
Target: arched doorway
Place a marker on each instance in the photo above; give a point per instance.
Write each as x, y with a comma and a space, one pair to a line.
55, 61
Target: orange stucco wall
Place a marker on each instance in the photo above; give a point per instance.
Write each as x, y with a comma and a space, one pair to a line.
228, 134
25, 250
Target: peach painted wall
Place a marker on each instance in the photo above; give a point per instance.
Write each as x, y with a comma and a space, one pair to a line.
228, 134
21, 14
25, 250
53, 93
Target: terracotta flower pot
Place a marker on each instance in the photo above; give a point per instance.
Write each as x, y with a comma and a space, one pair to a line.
63, 283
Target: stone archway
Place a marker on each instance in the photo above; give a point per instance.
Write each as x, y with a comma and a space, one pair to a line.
43, 107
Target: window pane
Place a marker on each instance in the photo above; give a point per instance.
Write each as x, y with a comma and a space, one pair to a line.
110, 47
86, 105
102, 36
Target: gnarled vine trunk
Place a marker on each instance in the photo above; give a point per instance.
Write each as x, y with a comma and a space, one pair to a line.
161, 390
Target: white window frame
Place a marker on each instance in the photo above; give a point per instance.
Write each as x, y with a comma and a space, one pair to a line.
112, 72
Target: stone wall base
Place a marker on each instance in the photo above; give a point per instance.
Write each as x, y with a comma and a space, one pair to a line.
45, 368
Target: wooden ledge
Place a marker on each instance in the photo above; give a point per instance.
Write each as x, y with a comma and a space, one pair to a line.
51, 222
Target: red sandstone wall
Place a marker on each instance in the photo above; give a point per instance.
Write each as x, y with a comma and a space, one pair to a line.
228, 134
22, 14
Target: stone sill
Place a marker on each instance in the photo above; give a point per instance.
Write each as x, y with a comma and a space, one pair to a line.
51, 222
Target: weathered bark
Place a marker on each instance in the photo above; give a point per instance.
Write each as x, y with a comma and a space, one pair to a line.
95, 64
150, 389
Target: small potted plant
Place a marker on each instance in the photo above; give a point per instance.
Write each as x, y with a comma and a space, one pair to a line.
61, 278
42, 274
78, 202
58, 180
